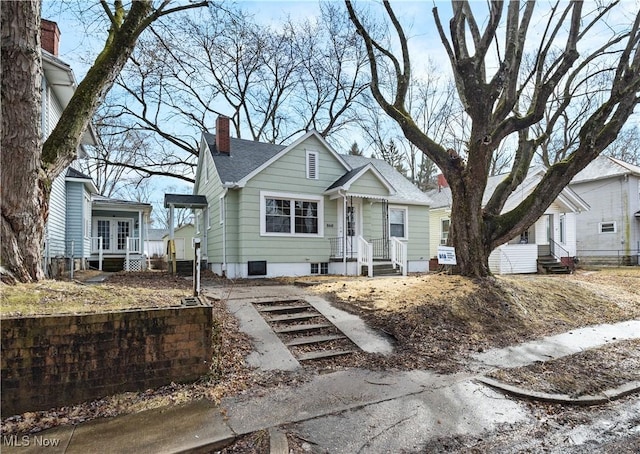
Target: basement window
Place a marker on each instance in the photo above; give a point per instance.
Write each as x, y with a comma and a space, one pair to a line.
320, 268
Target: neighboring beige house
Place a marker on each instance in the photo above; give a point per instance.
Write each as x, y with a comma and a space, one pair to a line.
184, 239
550, 242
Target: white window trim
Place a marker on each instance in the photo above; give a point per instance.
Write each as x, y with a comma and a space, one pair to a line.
406, 221
196, 217
442, 231
264, 195
615, 227
316, 155
562, 228
208, 214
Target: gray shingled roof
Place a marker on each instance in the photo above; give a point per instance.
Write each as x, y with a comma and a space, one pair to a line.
344, 178
248, 155
73, 173
405, 190
245, 157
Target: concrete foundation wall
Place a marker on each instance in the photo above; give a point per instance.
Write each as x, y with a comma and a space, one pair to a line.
50, 361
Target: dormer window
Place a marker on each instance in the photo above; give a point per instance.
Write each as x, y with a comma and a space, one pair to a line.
312, 165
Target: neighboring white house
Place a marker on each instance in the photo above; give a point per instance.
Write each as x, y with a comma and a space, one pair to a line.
154, 246
609, 233
66, 233
80, 220
301, 209
554, 234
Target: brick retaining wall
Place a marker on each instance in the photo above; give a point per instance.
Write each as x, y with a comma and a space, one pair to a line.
50, 361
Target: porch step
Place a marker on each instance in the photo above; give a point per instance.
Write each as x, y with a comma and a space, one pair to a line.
550, 265
382, 269
109, 264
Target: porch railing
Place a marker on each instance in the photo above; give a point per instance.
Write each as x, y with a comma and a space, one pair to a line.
399, 255
99, 244
558, 251
380, 248
365, 255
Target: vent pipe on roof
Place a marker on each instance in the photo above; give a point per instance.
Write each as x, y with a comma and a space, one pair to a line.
223, 141
49, 36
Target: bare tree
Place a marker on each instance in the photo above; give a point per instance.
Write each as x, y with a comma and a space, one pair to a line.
509, 101
273, 84
28, 165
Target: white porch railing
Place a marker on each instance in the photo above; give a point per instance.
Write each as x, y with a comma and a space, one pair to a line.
365, 255
132, 246
399, 255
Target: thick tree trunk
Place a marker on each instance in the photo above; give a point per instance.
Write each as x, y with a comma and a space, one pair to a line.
468, 233
24, 186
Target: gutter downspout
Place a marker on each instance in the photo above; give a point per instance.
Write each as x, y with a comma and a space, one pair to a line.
344, 230
223, 201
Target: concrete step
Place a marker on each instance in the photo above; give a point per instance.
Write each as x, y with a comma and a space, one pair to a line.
294, 317
284, 308
323, 354
305, 340
302, 328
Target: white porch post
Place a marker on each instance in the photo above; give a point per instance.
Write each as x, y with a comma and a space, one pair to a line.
100, 253
344, 233
126, 255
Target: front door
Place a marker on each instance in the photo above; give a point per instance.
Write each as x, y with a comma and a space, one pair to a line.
353, 230
124, 231
114, 233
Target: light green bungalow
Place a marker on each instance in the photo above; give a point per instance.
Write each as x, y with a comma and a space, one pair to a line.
303, 209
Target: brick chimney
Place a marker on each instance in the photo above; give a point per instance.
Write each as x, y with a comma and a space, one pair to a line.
442, 182
223, 141
49, 36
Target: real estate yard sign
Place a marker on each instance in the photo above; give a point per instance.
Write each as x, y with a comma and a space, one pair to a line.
446, 255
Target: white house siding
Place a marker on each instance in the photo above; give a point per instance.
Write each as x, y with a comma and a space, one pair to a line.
616, 200
56, 223
514, 259
74, 220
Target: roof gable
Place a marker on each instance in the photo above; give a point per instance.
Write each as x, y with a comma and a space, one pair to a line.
248, 158
567, 197
353, 176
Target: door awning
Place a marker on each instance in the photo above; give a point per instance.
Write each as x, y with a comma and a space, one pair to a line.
185, 201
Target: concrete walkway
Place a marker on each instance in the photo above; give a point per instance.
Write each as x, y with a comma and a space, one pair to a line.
348, 411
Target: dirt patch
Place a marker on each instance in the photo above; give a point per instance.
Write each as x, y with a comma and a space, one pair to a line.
582, 374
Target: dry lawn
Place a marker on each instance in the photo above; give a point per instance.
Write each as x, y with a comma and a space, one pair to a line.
436, 320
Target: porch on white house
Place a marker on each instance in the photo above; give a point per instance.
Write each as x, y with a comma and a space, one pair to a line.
118, 231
